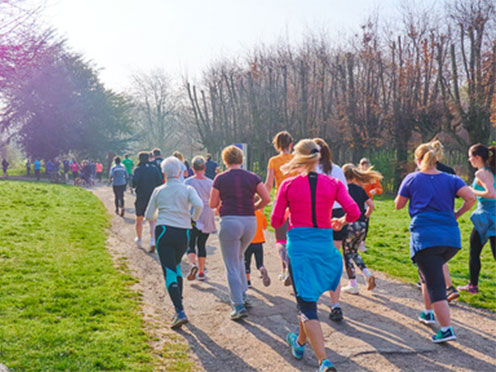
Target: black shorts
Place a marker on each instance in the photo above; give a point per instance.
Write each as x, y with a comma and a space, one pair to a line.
339, 235
140, 206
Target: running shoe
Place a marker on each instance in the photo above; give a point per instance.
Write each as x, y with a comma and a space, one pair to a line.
326, 366
138, 243
336, 314
192, 272
179, 319
452, 294
427, 318
249, 283
362, 247
472, 289
117, 211
296, 349
371, 281
201, 276
239, 312
350, 289
122, 212
248, 303
287, 278
265, 276
152, 246
441, 336
419, 285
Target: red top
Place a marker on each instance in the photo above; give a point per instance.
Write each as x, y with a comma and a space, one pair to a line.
295, 193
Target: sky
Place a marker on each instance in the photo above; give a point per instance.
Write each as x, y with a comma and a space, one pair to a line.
182, 37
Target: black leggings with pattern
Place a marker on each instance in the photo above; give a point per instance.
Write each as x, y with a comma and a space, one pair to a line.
356, 234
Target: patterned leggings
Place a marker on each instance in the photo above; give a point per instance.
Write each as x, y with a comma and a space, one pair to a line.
356, 234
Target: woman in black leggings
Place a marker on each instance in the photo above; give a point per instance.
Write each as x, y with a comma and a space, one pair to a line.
484, 217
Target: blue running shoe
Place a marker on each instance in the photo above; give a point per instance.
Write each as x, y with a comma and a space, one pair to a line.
239, 312
441, 336
326, 366
179, 320
296, 349
427, 318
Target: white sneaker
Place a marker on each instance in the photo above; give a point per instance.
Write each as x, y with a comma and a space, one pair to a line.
138, 242
350, 289
362, 247
152, 246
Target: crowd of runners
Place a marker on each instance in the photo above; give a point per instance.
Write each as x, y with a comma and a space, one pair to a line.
320, 215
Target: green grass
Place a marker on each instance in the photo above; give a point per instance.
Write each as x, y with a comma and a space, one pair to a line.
64, 306
388, 251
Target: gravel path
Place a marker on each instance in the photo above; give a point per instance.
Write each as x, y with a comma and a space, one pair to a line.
379, 333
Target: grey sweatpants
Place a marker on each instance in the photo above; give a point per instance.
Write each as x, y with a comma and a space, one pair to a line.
235, 235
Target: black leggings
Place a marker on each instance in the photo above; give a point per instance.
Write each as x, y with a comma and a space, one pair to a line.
119, 196
199, 239
475, 252
307, 310
430, 263
171, 245
257, 250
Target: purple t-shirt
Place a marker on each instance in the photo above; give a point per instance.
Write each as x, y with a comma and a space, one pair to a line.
430, 192
236, 189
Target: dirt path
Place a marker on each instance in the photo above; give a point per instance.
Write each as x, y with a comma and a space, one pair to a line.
379, 333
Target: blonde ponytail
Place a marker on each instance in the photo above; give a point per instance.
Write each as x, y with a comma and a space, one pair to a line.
306, 155
427, 155
352, 173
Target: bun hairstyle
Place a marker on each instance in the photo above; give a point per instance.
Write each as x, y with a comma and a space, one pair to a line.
306, 155
488, 154
282, 141
352, 173
428, 154
325, 155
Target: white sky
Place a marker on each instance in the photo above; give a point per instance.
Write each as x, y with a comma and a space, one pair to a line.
183, 36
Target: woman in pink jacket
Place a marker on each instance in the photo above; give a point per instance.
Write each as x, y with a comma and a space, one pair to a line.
315, 265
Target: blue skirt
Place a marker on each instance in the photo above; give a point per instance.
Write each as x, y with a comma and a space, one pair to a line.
315, 263
434, 229
484, 219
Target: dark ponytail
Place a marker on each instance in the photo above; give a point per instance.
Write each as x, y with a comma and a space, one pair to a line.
488, 155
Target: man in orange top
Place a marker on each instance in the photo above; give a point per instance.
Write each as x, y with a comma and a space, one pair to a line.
256, 248
372, 188
283, 143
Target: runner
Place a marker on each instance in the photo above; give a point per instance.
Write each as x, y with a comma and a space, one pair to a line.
434, 233
283, 143
327, 167
310, 197
371, 189
28, 168
256, 249
184, 172
146, 177
74, 169
99, 170
484, 217
233, 192
129, 164
5, 166
157, 158
173, 201
118, 177
37, 169
205, 224
358, 229
212, 168
67, 168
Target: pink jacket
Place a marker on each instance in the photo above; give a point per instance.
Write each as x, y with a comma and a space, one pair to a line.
295, 193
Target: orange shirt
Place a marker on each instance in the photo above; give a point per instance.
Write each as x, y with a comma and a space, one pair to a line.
373, 186
261, 226
275, 163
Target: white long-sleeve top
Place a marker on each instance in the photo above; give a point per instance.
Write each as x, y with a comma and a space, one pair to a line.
174, 201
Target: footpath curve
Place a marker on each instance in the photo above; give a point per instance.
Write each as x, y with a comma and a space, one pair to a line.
379, 333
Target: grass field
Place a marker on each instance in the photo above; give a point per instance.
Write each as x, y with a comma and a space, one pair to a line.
64, 306
388, 251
